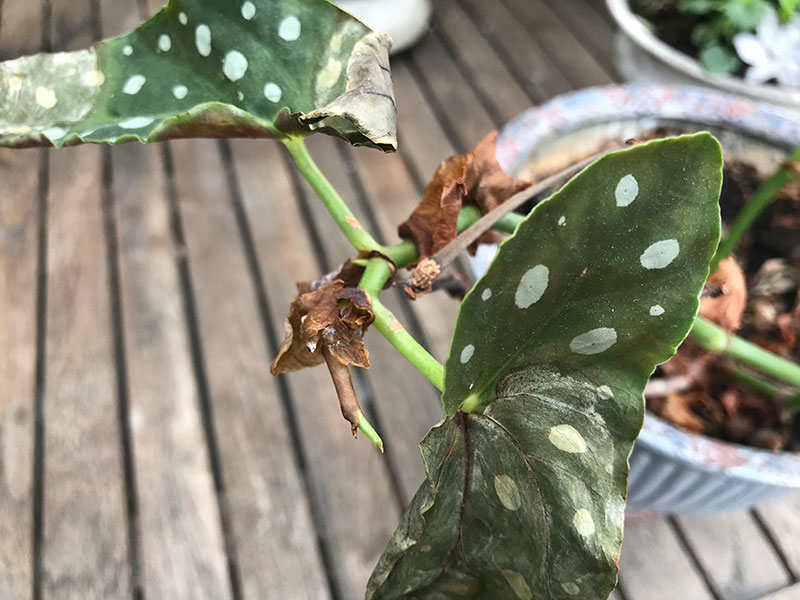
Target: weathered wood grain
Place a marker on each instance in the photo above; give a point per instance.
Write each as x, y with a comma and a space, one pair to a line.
273, 535
423, 142
461, 113
520, 52
496, 84
85, 541
789, 593
733, 552
578, 64
20, 33
592, 31
654, 565
180, 540
782, 519
19, 213
349, 479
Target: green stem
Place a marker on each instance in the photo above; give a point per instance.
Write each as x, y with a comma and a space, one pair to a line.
405, 252
766, 388
345, 219
390, 327
369, 431
751, 211
471, 213
716, 339
375, 276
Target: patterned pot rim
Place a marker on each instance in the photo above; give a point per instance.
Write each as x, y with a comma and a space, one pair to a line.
618, 103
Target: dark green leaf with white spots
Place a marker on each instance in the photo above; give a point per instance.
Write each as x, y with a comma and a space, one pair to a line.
209, 68
551, 352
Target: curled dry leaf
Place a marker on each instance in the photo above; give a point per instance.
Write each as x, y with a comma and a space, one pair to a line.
725, 296
471, 178
331, 316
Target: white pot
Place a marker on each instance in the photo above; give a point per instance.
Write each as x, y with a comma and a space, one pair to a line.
404, 20
643, 58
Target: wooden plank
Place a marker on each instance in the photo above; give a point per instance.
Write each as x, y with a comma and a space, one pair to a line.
654, 565
577, 64
19, 215
462, 114
498, 88
789, 593
20, 33
273, 536
781, 519
534, 69
84, 491
593, 31
734, 553
423, 142
351, 490
179, 534
21, 24
179, 527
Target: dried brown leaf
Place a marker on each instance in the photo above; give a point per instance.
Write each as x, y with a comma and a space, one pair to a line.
333, 316
488, 186
725, 296
432, 225
472, 178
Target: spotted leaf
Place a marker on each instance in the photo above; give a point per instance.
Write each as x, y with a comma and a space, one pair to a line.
209, 68
551, 352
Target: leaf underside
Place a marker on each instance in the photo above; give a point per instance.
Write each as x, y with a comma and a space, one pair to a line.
552, 349
209, 68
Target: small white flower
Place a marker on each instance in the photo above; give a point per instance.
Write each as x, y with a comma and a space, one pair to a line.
772, 51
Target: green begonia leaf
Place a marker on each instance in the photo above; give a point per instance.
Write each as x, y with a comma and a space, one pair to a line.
209, 68
551, 352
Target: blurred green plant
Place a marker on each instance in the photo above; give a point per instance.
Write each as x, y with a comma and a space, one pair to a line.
714, 24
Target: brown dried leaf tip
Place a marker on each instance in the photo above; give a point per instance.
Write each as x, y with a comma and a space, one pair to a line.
332, 316
725, 296
472, 178
327, 324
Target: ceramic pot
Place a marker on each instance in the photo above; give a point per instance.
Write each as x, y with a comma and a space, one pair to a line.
672, 470
405, 20
642, 57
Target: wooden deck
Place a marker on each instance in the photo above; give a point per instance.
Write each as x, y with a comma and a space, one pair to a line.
146, 452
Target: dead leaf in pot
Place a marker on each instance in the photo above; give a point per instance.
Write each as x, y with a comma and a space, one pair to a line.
332, 316
677, 408
725, 296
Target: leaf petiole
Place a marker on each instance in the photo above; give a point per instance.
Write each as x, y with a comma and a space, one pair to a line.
375, 276
754, 207
715, 339
341, 213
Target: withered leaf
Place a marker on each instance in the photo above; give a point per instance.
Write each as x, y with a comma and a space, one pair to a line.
432, 225
488, 185
333, 316
472, 178
725, 296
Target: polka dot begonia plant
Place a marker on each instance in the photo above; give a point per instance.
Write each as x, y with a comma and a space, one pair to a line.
209, 68
527, 474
